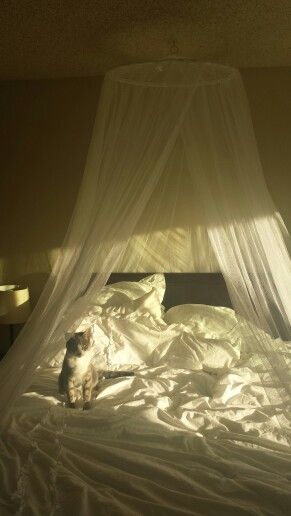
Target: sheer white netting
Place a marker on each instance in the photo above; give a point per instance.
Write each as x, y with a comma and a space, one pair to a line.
173, 182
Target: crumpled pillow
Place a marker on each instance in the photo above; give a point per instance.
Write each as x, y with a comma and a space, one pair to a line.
132, 290
132, 338
203, 321
120, 305
185, 351
129, 300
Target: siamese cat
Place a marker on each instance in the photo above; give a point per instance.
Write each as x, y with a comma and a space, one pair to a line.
78, 371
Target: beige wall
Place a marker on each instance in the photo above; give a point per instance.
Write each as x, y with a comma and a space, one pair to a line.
45, 132
269, 93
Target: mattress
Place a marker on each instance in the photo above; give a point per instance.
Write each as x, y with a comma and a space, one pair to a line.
164, 442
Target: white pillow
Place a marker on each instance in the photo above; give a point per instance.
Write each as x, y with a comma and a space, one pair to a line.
132, 290
210, 322
125, 299
185, 351
120, 305
132, 338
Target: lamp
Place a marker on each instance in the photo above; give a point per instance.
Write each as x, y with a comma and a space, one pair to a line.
14, 306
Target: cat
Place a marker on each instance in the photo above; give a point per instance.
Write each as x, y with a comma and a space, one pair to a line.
78, 371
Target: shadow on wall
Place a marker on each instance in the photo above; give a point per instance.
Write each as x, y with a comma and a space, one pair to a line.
45, 130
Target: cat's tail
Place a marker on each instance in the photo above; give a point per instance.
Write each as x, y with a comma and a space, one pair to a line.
116, 374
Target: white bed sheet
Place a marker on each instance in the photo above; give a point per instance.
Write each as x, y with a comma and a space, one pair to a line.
167, 441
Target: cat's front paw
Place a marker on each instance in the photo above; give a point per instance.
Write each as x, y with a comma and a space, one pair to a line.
87, 405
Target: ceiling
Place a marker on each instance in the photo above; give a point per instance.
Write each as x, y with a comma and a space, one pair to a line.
65, 38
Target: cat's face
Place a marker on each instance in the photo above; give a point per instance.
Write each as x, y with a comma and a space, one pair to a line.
79, 343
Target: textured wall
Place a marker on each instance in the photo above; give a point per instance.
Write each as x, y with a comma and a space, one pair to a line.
45, 132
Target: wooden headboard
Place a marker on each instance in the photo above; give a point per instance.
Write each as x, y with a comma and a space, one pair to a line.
188, 287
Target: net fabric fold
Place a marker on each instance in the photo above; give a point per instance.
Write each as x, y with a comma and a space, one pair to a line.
172, 178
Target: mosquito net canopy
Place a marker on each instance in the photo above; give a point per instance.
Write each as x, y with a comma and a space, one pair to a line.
172, 182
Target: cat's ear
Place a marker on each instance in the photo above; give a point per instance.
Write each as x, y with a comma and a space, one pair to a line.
87, 337
69, 340
88, 332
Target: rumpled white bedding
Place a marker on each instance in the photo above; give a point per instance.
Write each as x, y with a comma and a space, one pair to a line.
167, 441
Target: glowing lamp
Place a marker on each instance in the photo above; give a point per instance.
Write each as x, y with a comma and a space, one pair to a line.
14, 305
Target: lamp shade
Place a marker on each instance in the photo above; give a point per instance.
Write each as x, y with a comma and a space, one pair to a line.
14, 304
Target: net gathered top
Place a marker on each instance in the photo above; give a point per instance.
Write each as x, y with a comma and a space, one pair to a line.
171, 73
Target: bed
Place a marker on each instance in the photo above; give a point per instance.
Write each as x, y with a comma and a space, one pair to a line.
170, 440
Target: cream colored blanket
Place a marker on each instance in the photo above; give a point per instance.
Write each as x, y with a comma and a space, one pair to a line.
165, 442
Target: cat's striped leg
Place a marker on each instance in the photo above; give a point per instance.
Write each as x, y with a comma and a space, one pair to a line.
87, 391
71, 393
